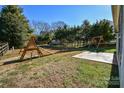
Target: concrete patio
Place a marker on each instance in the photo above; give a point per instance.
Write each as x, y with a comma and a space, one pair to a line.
100, 57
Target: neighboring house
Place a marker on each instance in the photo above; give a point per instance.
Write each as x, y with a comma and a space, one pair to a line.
118, 19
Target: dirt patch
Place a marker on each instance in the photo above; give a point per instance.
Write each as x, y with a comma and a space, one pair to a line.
57, 74
17, 52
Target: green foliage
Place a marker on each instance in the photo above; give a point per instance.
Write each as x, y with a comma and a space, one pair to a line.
61, 34
86, 31
86, 27
103, 28
67, 34
44, 38
14, 27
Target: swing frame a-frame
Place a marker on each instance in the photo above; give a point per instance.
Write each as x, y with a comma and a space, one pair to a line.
31, 45
94, 40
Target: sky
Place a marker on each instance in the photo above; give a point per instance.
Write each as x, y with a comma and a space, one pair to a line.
70, 14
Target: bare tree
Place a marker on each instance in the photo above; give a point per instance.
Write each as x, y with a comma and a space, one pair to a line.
40, 27
58, 24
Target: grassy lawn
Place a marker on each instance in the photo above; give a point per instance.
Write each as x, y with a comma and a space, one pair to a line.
57, 70
102, 48
108, 49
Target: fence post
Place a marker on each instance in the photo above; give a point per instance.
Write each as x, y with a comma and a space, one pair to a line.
4, 47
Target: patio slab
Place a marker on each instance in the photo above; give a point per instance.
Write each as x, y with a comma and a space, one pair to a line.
100, 57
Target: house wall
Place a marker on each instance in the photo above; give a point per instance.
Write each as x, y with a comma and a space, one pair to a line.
121, 32
118, 18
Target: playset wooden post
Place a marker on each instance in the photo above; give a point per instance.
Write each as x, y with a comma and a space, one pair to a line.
97, 38
30, 47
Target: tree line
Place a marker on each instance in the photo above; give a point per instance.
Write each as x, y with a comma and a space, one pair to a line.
86, 31
15, 29
14, 26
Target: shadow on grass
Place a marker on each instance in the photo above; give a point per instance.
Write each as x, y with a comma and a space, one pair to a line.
114, 81
19, 61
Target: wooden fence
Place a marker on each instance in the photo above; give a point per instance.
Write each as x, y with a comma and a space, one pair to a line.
4, 47
75, 44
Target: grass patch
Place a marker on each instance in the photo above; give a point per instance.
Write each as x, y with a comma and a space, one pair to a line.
108, 49
67, 82
23, 68
13, 73
94, 75
57, 70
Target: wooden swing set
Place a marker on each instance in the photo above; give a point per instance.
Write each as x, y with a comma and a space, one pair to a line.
97, 40
31, 46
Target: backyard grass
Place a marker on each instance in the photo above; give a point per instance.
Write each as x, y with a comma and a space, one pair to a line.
102, 48
57, 70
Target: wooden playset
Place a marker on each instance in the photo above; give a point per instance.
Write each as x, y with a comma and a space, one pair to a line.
97, 40
31, 46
